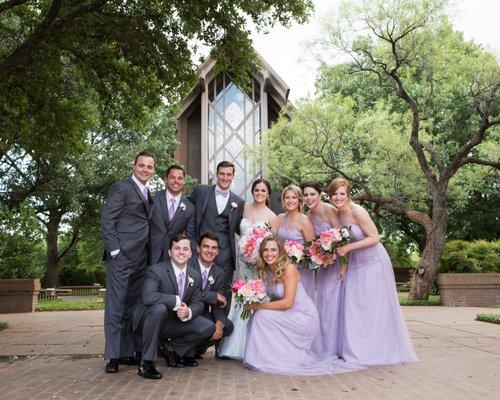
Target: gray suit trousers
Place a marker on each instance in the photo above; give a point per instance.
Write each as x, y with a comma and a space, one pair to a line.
124, 280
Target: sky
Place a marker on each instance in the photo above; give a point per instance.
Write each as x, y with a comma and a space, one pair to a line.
285, 49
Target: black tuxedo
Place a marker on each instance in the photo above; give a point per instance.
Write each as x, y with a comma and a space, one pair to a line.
125, 227
158, 319
162, 229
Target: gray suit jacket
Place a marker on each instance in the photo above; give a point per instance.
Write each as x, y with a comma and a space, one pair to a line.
160, 287
162, 229
201, 195
125, 220
215, 284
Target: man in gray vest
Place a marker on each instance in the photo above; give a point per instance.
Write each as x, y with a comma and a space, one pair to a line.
219, 211
125, 229
172, 214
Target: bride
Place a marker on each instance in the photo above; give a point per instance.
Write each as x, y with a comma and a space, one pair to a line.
256, 213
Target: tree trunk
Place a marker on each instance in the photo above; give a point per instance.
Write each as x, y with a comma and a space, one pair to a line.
52, 238
425, 273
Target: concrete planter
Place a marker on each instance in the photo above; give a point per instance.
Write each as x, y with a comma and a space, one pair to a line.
18, 295
469, 290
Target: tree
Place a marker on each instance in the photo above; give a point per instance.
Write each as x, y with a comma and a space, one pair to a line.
431, 115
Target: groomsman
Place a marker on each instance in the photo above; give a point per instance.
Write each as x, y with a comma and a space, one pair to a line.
125, 229
219, 211
171, 311
172, 214
212, 287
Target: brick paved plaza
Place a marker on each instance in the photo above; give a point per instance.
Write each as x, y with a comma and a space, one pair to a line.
459, 359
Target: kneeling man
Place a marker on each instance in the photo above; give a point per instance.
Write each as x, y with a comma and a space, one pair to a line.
212, 287
171, 311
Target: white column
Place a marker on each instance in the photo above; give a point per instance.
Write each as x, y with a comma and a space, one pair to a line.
204, 133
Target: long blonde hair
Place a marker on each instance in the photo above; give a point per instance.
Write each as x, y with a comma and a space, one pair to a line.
295, 190
281, 262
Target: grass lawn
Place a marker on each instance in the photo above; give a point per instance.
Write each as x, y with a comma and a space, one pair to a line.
431, 301
61, 305
3, 325
493, 318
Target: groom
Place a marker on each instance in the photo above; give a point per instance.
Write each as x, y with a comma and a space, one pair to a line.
219, 211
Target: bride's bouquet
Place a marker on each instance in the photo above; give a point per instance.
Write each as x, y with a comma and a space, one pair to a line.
332, 239
295, 251
252, 291
249, 243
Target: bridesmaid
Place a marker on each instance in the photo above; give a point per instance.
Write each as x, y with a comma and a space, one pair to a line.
281, 333
374, 331
294, 225
329, 288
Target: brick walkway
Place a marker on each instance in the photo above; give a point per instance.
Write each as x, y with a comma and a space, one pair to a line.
59, 357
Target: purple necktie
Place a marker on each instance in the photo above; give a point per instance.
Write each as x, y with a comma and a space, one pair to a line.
180, 284
204, 278
171, 209
145, 193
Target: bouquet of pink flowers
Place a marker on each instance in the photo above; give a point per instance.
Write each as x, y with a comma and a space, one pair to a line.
333, 238
250, 242
318, 257
249, 292
295, 251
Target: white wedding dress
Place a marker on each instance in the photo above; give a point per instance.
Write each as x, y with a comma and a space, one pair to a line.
233, 346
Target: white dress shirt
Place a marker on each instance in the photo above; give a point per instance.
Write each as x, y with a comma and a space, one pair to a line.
221, 201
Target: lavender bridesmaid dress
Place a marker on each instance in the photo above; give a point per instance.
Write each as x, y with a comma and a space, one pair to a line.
287, 231
374, 329
281, 342
329, 300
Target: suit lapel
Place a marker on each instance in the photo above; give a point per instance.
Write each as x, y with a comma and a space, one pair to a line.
206, 198
162, 199
139, 193
171, 275
178, 211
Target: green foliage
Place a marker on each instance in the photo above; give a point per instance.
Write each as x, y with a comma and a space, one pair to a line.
21, 247
3, 325
478, 256
492, 318
65, 305
433, 300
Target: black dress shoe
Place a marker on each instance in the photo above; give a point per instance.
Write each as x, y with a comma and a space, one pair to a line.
111, 366
147, 370
129, 360
171, 357
198, 356
189, 361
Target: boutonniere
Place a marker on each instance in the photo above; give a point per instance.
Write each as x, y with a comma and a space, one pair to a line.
211, 280
182, 207
190, 281
234, 205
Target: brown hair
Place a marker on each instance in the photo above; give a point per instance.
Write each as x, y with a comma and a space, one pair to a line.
296, 190
266, 183
144, 154
281, 262
338, 183
224, 164
175, 166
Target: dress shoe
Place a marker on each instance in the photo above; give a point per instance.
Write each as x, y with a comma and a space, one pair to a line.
133, 360
111, 366
171, 358
147, 370
198, 356
189, 361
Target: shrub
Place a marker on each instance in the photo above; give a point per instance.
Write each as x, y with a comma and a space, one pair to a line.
478, 256
3, 325
492, 318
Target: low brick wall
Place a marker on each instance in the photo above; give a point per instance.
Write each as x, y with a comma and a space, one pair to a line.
18, 295
469, 290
